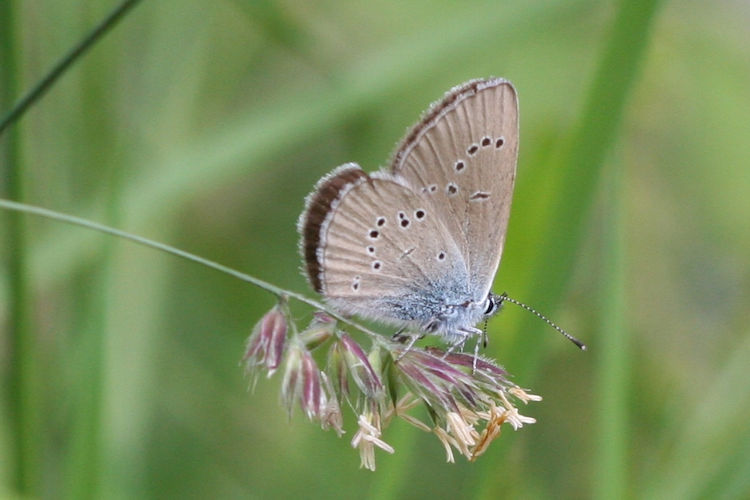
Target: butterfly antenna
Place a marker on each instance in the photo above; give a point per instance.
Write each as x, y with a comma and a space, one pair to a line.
504, 297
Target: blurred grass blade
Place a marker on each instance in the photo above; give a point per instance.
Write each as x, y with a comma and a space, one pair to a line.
24, 393
709, 440
735, 481
23, 388
613, 356
86, 454
579, 169
83, 467
577, 174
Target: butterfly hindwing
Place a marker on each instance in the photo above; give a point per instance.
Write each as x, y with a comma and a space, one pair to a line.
376, 248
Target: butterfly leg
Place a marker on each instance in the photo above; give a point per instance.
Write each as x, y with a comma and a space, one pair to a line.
459, 343
464, 333
412, 340
468, 332
476, 356
400, 337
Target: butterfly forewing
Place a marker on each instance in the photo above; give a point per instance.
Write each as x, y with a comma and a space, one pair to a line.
462, 157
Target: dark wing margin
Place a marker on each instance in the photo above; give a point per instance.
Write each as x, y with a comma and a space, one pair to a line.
312, 223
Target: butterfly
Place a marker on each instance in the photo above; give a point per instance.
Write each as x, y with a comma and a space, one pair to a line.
417, 245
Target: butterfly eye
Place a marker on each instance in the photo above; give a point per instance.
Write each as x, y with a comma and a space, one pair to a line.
491, 306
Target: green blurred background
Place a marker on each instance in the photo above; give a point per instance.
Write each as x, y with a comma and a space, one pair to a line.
204, 125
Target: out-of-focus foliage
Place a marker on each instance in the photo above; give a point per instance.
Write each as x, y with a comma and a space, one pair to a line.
204, 125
